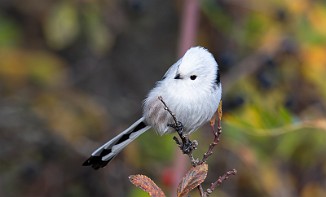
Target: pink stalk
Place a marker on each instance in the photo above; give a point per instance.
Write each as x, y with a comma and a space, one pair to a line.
187, 38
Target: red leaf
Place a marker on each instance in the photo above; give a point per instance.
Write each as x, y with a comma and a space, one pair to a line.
194, 177
146, 184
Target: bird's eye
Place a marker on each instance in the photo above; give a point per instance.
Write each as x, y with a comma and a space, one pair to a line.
193, 77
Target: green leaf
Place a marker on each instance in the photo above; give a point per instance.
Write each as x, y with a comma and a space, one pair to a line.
9, 32
61, 26
99, 35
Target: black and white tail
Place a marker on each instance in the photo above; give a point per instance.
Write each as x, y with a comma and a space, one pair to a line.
103, 155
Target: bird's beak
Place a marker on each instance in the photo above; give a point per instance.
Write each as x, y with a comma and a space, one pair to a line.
177, 76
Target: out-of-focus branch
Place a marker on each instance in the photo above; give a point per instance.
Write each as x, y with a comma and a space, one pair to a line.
189, 25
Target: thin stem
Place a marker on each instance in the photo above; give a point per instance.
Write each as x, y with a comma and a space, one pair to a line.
213, 144
167, 109
201, 190
219, 181
186, 145
216, 134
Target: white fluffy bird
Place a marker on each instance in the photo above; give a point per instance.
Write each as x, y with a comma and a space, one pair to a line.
191, 89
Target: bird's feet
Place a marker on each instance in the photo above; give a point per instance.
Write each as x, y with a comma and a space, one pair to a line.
186, 145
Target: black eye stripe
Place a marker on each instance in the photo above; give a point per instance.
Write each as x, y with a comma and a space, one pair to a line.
217, 79
193, 77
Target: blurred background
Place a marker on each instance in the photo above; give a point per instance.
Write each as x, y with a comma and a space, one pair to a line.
73, 73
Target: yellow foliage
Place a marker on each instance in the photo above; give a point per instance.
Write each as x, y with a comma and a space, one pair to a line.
317, 18
61, 26
271, 39
313, 189
314, 66
21, 67
272, 180
298, 7
70, 115
12, 70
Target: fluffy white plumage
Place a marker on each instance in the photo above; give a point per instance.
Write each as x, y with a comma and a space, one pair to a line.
191, 89
194, 102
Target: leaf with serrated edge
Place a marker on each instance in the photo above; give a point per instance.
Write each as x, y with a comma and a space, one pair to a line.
147, 185
194, 177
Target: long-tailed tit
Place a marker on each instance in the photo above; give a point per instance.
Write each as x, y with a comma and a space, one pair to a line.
191, 89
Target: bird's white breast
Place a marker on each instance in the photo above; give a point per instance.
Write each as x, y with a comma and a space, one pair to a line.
192, 106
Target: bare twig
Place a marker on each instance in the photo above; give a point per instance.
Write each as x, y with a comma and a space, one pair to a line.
186, 145
214, 143
167, 109
219, 181
201, 190
216, 134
